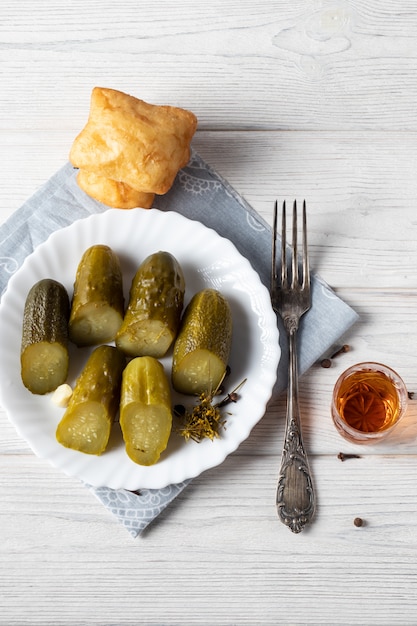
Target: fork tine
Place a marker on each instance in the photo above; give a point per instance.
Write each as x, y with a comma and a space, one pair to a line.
295, 276
284, 273
306, 268
274, 250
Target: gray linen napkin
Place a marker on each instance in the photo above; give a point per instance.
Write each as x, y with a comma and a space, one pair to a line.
198, 193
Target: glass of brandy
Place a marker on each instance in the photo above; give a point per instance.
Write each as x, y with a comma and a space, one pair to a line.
369, 399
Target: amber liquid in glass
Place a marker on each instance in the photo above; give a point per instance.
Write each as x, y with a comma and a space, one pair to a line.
368, 401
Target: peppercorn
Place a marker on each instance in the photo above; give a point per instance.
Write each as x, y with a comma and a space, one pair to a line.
326, 363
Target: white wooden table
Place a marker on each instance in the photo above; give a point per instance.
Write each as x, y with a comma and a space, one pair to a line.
311, 99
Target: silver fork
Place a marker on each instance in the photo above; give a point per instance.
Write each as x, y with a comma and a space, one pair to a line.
295, 492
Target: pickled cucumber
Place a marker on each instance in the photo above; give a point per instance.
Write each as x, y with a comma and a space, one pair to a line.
155, 305
145, 410
97, 305
86, 424
44, 356
202, 348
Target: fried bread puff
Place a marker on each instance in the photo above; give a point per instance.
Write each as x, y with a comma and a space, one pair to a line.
132, 142
113, 193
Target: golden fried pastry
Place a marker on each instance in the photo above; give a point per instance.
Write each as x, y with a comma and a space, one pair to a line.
133, 142
113, 193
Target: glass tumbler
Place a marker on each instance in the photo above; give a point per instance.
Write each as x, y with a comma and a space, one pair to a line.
369, 399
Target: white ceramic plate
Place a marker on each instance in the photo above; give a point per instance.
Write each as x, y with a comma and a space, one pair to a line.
207, 260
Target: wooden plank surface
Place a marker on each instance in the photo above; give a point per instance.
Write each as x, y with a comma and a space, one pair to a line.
311, 99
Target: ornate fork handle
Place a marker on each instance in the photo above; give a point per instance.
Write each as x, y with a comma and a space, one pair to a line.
295, 492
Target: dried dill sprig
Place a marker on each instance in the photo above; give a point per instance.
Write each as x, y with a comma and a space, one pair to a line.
205, 420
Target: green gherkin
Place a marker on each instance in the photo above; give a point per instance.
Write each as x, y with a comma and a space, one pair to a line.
87, 421
202, 348
145, 410
155, 305
97, 305
44, 349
